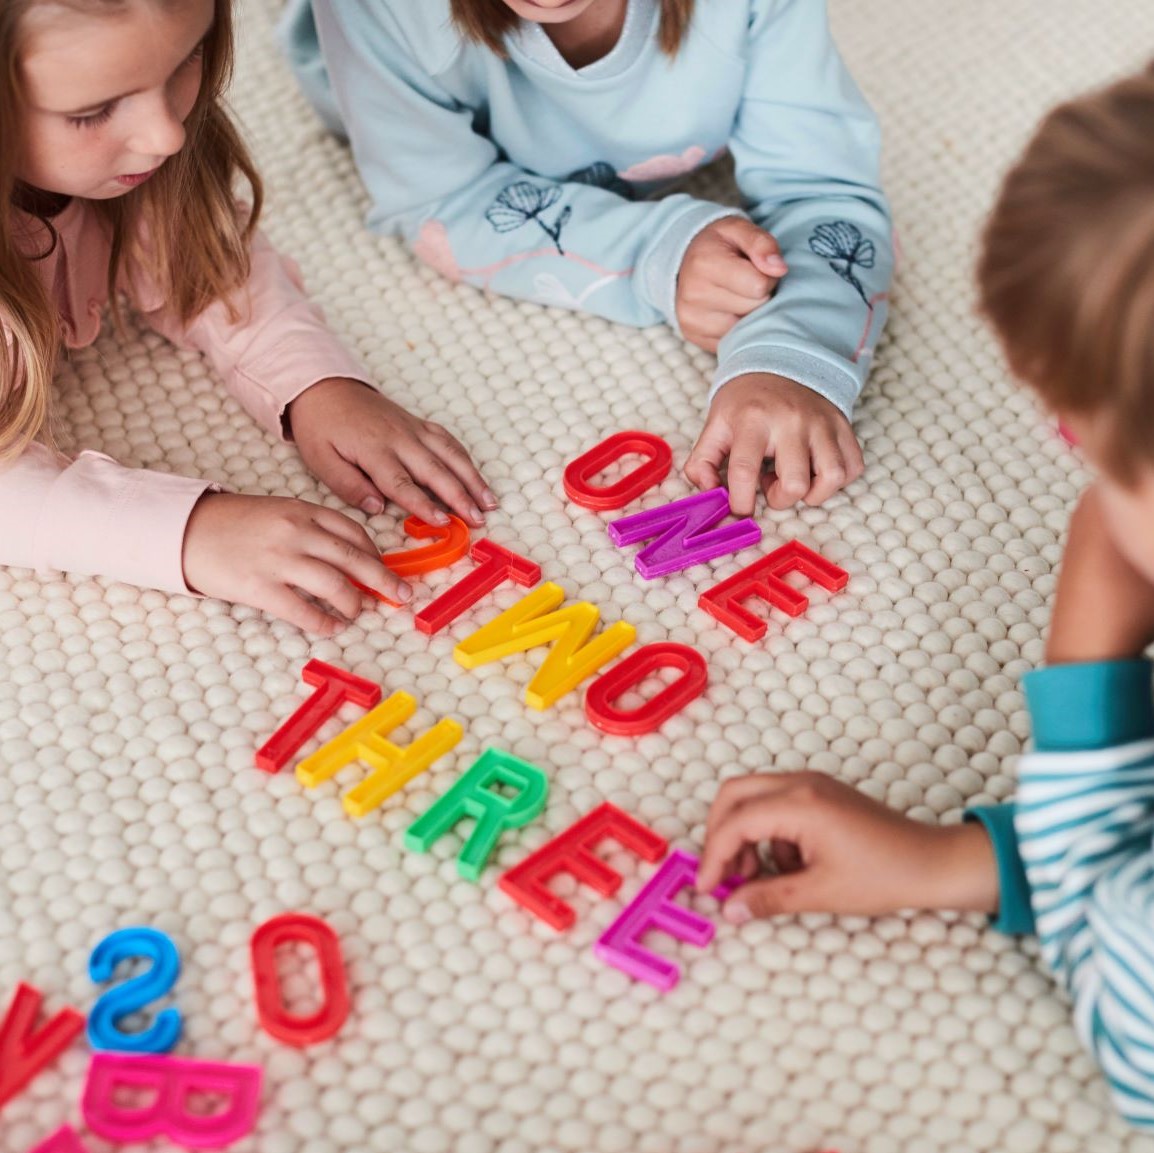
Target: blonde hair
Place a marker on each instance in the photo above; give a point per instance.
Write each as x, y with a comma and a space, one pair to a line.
1066, 273
488, 22
197, 242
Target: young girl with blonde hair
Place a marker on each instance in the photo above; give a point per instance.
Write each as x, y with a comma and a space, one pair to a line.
516, 146
117, 168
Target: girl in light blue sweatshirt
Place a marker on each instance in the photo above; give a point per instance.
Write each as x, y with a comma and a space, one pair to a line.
518, 146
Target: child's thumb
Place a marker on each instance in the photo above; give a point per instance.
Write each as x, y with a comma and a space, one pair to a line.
760, 248
790, 893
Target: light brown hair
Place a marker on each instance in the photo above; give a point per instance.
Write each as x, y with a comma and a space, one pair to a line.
198, 243
488, 22
1066, 272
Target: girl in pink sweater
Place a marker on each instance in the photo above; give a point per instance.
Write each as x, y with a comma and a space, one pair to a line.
117, 164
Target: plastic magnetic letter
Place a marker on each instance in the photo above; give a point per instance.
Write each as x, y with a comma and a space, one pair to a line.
680, 528
763, 579
25, 1051
531, 622
474, 796
450, 543
334, 687
495, 565
629, 487
393, 765
270, 1007
166, 1083
133, 995
64, 1140
572, 852
654, 908
631, 672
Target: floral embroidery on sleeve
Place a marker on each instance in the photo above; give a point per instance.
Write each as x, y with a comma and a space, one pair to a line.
843, 245
519, 203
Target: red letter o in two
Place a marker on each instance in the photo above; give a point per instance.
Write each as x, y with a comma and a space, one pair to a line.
631, 672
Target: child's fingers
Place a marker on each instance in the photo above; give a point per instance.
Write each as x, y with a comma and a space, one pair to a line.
726, 283
748, 864
786, 856
329, 583
405, 477
746, 458
851, 452
792, 472
749, 822
830, 470
736, 791
722, 298
702, 467
343, 560
765, 255
798, 892
348, 530
394, 479
456, 457
350, 483
747, 282
704, 327
288, 605
434, 474
757, 245
733, 794
837, 461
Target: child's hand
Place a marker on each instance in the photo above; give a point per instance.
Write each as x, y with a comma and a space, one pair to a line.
730, 268
759, 415
366, 448
1104, 608
836, 851
273, 554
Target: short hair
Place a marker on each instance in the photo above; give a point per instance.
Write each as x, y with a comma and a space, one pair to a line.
1066, 272
488, 22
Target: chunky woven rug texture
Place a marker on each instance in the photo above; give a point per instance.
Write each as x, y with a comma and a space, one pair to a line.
128, 719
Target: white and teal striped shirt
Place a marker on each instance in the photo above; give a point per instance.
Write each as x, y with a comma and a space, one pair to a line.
1076, 861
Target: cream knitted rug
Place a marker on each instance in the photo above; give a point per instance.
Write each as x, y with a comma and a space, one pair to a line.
128, 720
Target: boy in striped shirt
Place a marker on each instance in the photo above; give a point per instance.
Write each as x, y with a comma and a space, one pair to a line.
1066, 277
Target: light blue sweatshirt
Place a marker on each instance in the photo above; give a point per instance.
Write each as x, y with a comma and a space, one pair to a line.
1076, 860
531, 178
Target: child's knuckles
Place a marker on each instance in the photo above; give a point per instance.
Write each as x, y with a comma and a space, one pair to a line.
793, 488
733, 788
835, 473
769, 898
310, 618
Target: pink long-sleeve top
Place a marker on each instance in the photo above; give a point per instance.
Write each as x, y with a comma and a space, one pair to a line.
95, 516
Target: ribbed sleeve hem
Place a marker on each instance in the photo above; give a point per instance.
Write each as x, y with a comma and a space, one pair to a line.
1096, 705
814, 371
1015, 915
103, 519
658, 270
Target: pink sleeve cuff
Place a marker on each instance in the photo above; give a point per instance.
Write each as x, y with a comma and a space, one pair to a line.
303, 355
100, 518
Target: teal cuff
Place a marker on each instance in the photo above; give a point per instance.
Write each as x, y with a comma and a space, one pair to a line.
1015, 916
1097, 705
